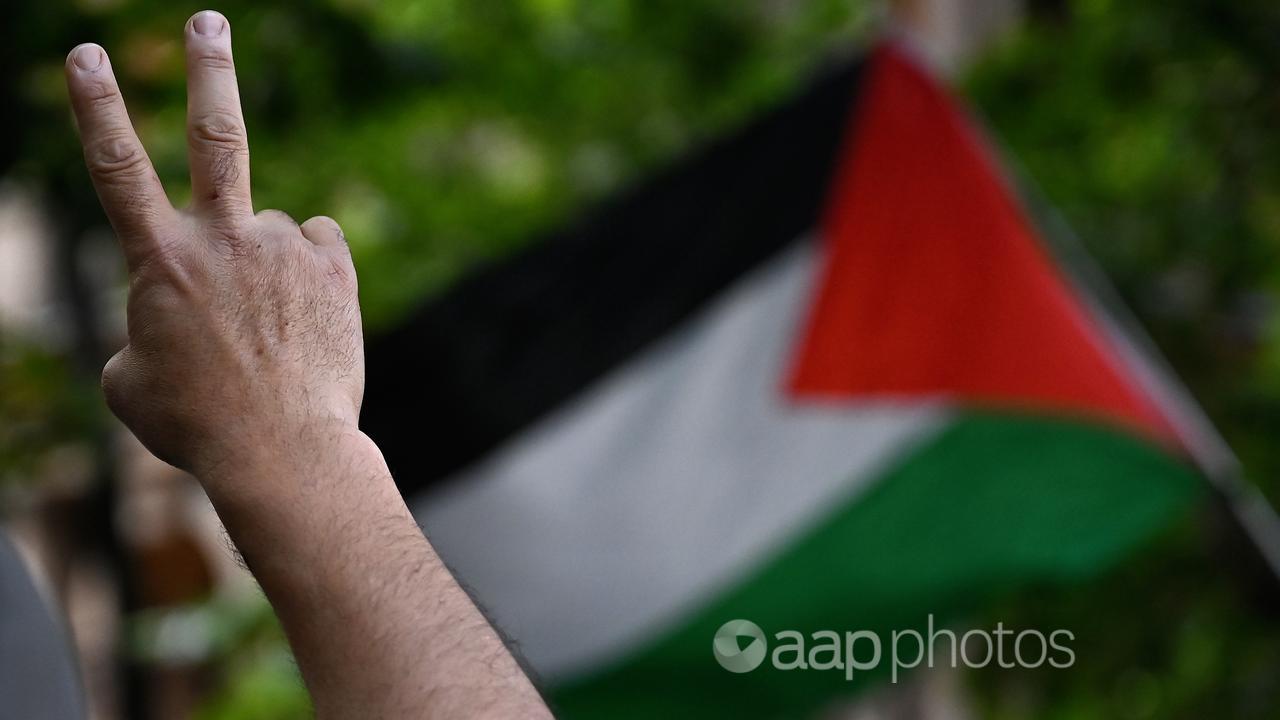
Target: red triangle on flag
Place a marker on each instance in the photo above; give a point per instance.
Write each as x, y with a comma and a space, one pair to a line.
934, 283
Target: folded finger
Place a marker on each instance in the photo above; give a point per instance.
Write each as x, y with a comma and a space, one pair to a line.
323, 231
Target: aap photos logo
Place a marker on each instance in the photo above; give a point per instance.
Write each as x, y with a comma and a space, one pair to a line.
739, 646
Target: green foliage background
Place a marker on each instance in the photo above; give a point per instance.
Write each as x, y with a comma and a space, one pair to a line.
442, 132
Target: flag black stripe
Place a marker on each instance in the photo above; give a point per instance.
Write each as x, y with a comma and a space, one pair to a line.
522, 335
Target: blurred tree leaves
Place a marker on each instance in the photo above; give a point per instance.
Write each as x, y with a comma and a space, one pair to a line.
41, 409
1155, 127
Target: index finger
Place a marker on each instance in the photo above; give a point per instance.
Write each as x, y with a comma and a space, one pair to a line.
127, 185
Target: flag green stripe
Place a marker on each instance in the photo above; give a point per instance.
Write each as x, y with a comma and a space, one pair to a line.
994, 501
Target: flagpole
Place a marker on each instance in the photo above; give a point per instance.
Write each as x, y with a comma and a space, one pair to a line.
1255, 516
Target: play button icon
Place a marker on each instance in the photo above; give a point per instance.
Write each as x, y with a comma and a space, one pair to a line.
739, 646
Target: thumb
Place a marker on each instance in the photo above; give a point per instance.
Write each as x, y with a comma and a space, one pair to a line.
119, 377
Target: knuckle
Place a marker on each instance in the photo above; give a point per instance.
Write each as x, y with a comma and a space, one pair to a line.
162, 256
277, 216
153, 271
331, 224
117, 157
236, 245
218, 128
213, 59
101, 95
232, 230
325, 231
341, 271
166, 273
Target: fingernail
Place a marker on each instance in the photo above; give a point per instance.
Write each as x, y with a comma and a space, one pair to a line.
87, 57
208, 23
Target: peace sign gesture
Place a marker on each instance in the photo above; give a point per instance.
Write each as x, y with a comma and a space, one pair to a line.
226, 308
245, 366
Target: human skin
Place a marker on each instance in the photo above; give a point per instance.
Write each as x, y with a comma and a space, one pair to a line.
245, 367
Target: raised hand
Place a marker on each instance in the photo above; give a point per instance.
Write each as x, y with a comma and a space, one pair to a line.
245, 365
244, 329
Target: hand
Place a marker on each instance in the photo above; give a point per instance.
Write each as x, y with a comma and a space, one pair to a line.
244, 329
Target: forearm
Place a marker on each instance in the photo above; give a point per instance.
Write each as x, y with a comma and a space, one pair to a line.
379, 626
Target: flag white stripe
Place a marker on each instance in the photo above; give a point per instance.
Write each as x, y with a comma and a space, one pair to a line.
663, 484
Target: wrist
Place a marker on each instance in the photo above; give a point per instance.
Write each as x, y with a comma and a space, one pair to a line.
257, 461
289, 493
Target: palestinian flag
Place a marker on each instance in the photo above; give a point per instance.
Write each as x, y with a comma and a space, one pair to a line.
823, 374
